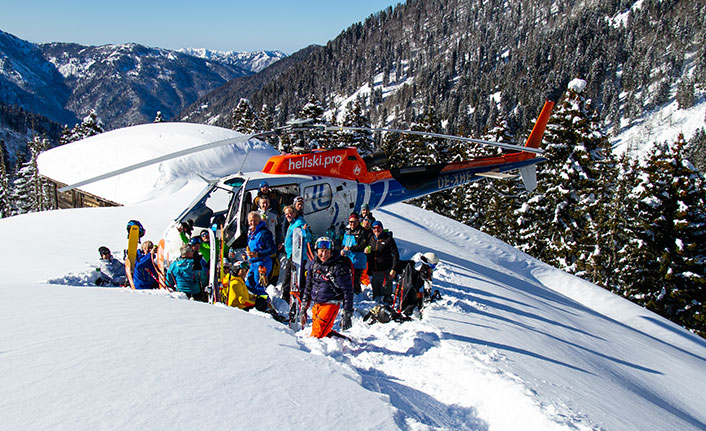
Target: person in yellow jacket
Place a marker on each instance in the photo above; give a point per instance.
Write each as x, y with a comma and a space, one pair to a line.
235, 294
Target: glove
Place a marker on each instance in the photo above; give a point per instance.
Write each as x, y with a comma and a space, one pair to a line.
346, 320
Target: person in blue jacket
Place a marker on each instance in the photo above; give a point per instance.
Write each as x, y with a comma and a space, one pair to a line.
261, 246
182, 276
145, 274
355, 240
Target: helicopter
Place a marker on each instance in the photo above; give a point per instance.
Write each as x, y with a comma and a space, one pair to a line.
336, 182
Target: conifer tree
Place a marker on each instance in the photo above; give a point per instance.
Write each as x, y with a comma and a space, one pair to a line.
28, 187
90, 125
481, 199
244, 118
362, 139
566, 204
314, 111
66, 135
669, 250
424, 150
4, 183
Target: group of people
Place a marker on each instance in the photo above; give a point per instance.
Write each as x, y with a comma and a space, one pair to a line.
112, 271
334, 271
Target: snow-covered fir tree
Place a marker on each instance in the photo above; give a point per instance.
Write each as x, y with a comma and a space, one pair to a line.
314, 110
4, 183
243, 117
696, 149
28, 194
362, 139
480, 201
158, 118
90, 125
608, 266
669, 250
424, 150
558, 221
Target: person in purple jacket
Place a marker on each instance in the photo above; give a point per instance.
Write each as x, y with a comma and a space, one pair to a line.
329, 283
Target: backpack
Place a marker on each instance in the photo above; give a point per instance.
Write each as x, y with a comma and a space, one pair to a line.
409, 285
384, 313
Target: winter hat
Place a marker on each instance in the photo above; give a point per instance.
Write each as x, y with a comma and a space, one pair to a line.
103, 250
195, 240
353, 216
299, 199
264, 184
365, 207
377, 224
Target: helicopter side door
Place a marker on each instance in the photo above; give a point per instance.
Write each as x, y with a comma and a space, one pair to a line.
326, 202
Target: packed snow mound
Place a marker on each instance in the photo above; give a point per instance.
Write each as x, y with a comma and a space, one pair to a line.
117, 149
577, 85
513, 344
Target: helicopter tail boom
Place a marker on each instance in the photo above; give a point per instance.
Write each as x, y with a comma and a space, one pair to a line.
535, 137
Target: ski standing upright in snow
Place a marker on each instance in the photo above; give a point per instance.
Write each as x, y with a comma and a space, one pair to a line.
295, 289
212, 276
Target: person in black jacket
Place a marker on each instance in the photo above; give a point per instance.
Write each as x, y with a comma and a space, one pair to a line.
384, 258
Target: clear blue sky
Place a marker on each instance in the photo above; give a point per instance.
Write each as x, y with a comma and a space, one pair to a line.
216, 24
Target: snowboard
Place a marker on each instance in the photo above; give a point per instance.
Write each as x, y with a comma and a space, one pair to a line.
128, 270
133, 239
295, 289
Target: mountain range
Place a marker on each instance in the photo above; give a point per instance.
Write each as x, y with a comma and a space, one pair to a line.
477, 63
125, 83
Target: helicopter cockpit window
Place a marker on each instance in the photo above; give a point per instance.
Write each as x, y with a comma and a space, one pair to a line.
211, 207
317, 197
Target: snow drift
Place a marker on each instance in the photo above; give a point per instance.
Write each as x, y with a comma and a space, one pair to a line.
513, 344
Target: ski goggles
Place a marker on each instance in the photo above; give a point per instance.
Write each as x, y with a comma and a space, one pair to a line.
324, 244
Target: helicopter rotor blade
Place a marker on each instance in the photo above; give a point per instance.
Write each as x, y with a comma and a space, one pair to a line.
165, 157
437, 135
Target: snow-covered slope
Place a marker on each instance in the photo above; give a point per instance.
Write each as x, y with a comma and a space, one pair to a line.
661, 125
513, 345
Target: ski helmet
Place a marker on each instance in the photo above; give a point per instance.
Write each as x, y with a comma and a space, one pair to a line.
103, 250
138, 224
430, 259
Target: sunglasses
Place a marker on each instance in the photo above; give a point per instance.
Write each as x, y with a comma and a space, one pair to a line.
326, 245
377, 228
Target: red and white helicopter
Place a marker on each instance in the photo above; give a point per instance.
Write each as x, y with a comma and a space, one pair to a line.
338, 181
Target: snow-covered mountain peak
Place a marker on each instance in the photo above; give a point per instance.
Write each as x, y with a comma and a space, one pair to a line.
252, 60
